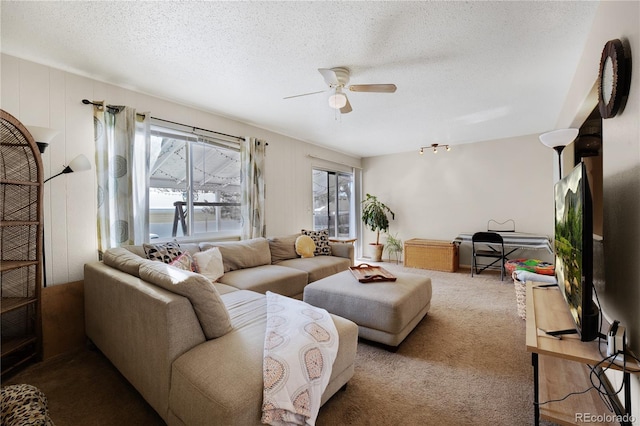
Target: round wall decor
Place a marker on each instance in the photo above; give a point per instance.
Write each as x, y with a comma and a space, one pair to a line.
613, 79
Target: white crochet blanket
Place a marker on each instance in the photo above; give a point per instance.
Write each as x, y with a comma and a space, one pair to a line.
300, 347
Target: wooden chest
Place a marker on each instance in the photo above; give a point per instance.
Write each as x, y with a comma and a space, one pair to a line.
431, 254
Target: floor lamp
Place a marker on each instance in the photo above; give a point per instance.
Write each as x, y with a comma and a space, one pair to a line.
78, 164
558, 139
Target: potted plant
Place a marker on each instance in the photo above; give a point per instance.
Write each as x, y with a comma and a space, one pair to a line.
394, 246
374, 216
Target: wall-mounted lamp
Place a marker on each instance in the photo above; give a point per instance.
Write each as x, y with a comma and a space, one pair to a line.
434, 147
42, 135
338, 99
558, 139
78, 164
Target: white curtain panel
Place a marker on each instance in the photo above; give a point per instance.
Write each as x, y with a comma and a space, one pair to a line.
252, 153
122, 164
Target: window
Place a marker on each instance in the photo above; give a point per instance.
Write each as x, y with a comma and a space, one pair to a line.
332, 202
194, 184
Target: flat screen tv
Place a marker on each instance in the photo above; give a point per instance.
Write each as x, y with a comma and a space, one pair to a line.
573, 245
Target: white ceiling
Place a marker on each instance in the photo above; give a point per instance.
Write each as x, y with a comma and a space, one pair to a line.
465, 71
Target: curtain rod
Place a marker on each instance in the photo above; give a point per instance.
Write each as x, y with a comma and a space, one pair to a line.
88, 102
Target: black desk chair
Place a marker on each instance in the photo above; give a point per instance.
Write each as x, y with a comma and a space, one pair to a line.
494, 249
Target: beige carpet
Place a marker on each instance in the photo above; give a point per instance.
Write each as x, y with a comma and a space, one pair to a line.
464, 364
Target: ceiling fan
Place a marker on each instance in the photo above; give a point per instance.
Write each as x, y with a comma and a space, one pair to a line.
338, 80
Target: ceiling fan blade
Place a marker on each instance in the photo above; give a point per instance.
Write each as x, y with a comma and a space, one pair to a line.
304, 94
377, 88
347, 108
330, 76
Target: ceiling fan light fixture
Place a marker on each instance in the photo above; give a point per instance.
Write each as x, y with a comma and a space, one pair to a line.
338, 99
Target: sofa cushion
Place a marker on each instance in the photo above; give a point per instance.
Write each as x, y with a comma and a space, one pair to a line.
279, 279
124, 260
321, 239
203, 295
305, 246
139, 250
283, 248
164, 252
192, 248
224, 288
242, 254
318, 267
209, 263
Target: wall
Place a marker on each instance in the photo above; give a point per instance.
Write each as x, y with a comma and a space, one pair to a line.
437, 196
43, 96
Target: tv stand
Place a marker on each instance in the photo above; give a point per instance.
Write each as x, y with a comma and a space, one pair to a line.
561, 364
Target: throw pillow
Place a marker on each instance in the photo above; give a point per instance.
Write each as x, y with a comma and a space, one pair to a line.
202, 293
164, 252
321, 239
24, 405
184, 262
209, 263
305, 246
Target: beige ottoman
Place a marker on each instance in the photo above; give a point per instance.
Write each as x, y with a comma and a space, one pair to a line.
385, 312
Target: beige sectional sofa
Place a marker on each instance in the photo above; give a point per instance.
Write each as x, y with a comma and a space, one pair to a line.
157, 338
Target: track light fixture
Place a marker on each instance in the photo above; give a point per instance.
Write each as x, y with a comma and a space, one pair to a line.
434, 147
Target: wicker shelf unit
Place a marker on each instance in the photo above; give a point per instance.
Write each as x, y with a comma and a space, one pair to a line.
20, 245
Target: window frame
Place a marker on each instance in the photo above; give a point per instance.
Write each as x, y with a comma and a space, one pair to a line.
191, 136
335, 174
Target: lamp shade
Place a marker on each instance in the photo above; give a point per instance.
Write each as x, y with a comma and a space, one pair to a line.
338, 99
560, 137
79, 164
42, 134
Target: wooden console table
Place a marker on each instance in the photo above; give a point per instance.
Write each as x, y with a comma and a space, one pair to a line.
561, 366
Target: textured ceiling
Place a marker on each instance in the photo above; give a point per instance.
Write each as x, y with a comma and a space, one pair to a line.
465, 71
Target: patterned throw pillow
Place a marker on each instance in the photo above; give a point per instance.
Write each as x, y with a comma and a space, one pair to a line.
24, 405
321, 239
163, 252
185, 262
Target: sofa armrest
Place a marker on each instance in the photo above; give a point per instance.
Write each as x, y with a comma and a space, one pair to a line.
140, 328
343, 250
